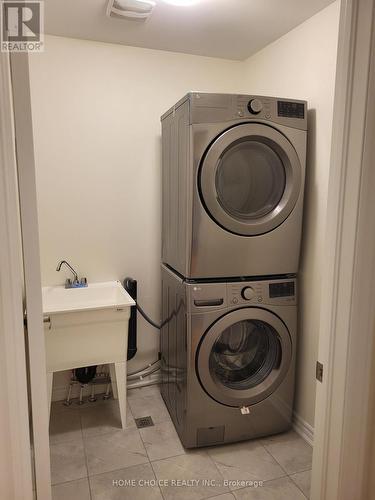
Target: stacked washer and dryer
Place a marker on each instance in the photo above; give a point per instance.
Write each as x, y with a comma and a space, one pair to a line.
233, 185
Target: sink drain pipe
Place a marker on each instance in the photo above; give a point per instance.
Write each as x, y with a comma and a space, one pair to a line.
85, 375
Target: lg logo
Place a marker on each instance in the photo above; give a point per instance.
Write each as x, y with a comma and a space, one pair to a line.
21, 26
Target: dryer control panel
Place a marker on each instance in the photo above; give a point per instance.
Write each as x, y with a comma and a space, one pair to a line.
221, 108
275, 292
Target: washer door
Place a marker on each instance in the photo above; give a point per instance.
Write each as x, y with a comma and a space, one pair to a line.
244, 357
250, 179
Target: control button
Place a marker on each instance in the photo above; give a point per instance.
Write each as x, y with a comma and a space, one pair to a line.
268, 115
255, 106
248, 293
234, 301
240, 113
260, 299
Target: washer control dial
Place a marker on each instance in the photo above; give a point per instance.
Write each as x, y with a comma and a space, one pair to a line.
255, 106
248, 293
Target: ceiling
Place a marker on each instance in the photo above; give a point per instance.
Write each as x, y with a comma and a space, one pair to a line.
230, 29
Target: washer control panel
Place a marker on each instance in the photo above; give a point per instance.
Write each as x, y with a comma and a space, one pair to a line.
281, 291
255, 106
291, 109
248, 293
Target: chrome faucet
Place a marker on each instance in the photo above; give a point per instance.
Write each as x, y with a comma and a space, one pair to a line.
76, 283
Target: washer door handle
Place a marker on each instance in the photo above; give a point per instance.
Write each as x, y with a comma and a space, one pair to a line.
208, 303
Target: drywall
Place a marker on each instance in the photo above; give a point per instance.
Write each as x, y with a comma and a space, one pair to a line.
96, 112
302, 65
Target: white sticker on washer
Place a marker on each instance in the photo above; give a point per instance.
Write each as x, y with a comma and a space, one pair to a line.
245, 410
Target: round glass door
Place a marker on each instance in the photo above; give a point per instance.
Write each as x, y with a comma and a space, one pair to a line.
250, 179
244, 357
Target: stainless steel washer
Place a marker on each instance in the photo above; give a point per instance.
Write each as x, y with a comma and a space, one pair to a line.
228, 357
233, 185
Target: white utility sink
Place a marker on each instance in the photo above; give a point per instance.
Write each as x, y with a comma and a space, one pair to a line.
85, 327
110, 294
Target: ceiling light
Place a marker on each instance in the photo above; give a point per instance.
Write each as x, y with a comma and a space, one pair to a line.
130, 9
182, 3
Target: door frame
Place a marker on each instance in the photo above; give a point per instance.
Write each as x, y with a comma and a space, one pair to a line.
346, 343
28, 210
15, 456
23, 358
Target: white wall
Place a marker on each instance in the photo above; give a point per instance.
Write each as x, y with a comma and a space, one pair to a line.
302, 65
96, 111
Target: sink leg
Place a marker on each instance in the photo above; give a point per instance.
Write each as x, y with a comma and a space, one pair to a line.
120, 369
112, 372
49, 391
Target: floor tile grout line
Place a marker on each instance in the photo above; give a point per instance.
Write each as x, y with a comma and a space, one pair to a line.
105, 433
143, 443
263, 481
299, 471
172, 456
175, 456
297, 485
298, 488
63, 441
118, 470
166, 458
70, 481
157, 479
270, 481
86, 461
295, 472
279, 464
123, 468
229, 492
51, 443
217, 468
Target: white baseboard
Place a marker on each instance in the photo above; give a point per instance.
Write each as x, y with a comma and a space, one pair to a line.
305, 430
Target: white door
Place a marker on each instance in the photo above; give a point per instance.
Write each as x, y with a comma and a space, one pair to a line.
31, 263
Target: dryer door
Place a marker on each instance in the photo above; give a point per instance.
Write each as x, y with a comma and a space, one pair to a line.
250, 179
244, 356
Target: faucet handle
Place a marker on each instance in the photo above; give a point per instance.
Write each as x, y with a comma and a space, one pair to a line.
83, 281
68, 283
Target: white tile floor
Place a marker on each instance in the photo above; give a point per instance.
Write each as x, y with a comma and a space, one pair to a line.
92, 458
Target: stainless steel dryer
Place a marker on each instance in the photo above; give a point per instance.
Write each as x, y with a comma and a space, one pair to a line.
228, 357
233, 185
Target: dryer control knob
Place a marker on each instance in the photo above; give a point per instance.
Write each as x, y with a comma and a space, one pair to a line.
255, 106
248, 293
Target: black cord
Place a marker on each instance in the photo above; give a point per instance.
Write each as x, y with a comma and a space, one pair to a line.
149, 320
153, 323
